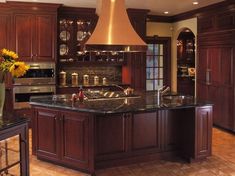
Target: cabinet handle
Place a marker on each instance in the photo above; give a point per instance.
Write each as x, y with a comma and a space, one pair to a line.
208, 77
35, 90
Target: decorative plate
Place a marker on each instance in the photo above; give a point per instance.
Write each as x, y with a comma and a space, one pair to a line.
64, 49
81, 35
64, 35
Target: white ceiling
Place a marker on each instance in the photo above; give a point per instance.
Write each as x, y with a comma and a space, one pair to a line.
156, 7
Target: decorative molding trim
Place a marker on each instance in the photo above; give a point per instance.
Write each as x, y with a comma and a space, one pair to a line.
230, 4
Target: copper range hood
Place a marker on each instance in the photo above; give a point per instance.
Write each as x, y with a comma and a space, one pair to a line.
114, 31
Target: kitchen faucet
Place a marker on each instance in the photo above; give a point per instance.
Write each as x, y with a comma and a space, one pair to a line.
160, 92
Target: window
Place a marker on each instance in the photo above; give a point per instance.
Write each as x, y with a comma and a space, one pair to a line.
157, 64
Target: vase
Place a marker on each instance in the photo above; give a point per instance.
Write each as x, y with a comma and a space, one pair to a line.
2, 98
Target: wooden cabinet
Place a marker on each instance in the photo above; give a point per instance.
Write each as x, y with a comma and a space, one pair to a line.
91, 141
74, 139
47, 130
111, 134
4, 30
203, 129
215, 80
35, 36
62, 136
146, 132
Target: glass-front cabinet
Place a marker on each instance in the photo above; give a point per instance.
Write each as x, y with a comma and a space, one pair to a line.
73, 33
157, 63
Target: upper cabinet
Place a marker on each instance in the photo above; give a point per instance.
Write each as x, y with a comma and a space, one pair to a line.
75, 25
35, 31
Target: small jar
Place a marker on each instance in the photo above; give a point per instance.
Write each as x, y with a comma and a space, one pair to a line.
85, 79
104, 81
96, 80
74, 79
62, 78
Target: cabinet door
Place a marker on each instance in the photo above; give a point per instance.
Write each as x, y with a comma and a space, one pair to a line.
4, 30
44, 43
203, 130
145, 132
47, 134
74, 141
24, 25
111, 135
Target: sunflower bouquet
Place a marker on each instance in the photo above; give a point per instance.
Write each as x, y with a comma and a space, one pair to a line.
9, 63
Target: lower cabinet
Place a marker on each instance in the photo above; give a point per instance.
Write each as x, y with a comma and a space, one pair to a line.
62, 137
47, 134
91, 141
203, 132
74, 139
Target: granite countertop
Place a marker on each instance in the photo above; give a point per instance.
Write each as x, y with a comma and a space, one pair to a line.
141, 102
10, 120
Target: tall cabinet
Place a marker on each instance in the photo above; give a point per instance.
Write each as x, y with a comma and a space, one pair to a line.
216, 59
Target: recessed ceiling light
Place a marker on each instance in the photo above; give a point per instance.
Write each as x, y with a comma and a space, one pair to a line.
166, 12
195, 3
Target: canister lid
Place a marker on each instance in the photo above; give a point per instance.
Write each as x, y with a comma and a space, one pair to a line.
74, 74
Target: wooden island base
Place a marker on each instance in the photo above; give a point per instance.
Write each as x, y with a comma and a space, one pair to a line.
89, 141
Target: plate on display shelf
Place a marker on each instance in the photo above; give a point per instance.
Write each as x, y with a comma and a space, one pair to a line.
64, 35
64, 49
81, 35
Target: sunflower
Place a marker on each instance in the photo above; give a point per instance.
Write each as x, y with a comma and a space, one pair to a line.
7, 54
18, 69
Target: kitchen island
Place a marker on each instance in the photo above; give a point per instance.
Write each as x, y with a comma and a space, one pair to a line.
105, 132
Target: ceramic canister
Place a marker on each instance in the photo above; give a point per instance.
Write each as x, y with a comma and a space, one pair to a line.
85, 79
74, 79
96, 80
62, 78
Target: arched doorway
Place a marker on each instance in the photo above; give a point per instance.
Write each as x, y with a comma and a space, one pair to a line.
186, 62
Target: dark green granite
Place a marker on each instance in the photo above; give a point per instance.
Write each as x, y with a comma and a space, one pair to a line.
143, 102
10, 120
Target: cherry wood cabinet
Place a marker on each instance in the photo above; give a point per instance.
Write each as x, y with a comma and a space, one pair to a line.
74, 139
35, 36
111, 134
146, 132
62, 137
90, 141
4, 30
34, 30
215, 80
203, 129
216, 61
47, 130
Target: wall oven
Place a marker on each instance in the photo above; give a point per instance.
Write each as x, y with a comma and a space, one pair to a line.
38, 80
39, 73
22, 94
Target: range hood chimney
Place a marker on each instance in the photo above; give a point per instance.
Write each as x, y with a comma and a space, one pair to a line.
114, 31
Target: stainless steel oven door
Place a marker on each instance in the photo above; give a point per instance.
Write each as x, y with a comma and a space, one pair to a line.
38, 74
22, 94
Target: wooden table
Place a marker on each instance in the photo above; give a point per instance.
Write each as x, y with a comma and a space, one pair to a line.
13, 126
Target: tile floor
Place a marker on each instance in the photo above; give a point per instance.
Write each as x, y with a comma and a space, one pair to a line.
222, 163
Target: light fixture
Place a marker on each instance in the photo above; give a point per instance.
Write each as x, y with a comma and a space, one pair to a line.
195, 2
114, 30
166, 12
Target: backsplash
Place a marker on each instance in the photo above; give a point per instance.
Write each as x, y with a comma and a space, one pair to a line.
112, 73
